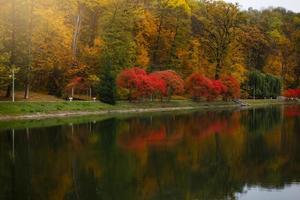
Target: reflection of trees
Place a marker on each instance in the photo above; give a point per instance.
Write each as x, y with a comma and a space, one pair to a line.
260, 120
204, 155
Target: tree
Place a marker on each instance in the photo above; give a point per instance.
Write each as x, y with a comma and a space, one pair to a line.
172, 28
107, 87
263, 85
219, 20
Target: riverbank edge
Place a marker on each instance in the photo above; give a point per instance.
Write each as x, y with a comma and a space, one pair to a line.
206, 106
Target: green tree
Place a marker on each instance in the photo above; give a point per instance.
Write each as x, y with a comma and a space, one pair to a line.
107, 87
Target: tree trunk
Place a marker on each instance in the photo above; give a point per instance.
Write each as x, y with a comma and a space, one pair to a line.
93, 28
13, 43
8, 91
157, 41
29, 40
218, 70
76, 32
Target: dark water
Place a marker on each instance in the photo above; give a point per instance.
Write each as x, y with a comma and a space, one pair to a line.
250, 154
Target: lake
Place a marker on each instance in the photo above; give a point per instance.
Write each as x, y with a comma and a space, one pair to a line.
224, 154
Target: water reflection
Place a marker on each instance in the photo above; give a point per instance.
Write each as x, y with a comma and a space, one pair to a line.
200, 155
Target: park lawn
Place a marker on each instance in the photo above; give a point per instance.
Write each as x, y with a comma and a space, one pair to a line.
21, 108
31, 108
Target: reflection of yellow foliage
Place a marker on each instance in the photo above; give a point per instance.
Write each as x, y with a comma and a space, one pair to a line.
93, 139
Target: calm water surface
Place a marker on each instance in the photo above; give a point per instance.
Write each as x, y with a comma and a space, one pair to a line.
247, 155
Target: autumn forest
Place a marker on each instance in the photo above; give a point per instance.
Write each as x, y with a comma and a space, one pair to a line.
54, 45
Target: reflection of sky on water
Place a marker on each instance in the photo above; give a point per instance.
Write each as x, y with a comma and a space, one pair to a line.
290, 192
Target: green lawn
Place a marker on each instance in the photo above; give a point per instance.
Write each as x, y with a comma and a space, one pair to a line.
21, 108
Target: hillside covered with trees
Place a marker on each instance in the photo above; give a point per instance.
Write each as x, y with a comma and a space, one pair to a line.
53, 45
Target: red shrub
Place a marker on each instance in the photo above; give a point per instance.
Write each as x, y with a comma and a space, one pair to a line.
292, 93
174, 83
158, 85
144, 86
219, 89
132, 79
78, 83
199, 86
233, 88
140, 84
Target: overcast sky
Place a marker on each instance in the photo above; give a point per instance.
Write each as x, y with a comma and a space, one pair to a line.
293, 5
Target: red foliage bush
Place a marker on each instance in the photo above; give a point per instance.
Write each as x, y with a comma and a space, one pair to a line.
233, 88
167, 83
199, 86
78, 83
219, 89
292, 93
133, 79
174, 83
159, 86
140, 84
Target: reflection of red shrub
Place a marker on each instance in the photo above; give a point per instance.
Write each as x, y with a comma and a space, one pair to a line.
292, 111
142, 140
212, 123
215, 127
141, 136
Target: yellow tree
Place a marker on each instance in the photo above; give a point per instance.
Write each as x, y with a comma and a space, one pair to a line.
217, 23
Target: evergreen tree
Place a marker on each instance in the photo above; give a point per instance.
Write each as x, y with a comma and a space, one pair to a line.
107, 87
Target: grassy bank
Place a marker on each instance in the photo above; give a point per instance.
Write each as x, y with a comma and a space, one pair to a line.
10, 110
21, 108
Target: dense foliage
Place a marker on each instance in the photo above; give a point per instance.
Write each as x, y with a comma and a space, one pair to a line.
201, 87
263, 85
233, 88
107, 87
142, 85
51, 42
174, 83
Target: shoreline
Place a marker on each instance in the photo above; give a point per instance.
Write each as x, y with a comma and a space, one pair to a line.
155, 108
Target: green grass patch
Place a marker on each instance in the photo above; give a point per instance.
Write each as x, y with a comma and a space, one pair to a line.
23, 108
